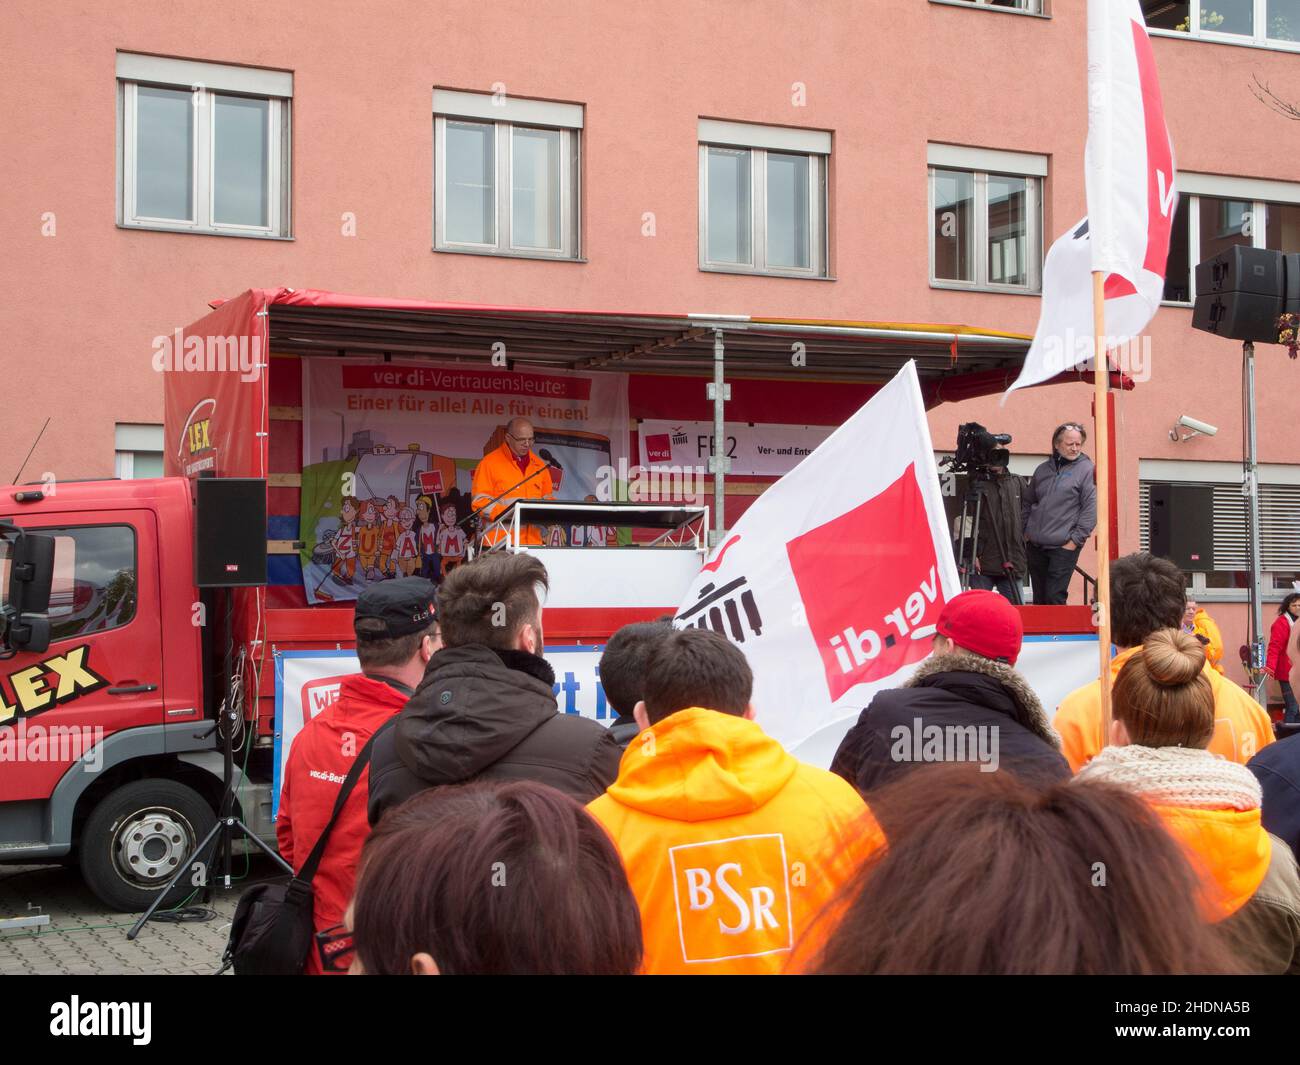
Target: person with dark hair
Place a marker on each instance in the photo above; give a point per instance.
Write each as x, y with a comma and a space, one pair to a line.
486, 706
967, 693
1148, 594
491, 879
622, 673
397, 634
1277, 664
986, 874
731, 846
1164, 718
1059, 512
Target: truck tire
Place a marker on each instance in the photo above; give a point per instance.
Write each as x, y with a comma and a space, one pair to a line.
137, 837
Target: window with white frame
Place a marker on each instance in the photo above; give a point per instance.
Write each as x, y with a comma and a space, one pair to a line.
138, 451
1273, 23
506, 178
986, 218
1216, 212
1279, 532
203, 147
1031, 7
763, 199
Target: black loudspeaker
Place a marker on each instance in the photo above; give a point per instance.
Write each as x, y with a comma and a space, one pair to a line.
1182, 525
229, 532
1241, 293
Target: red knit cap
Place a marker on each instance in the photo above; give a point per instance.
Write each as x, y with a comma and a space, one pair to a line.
983, 622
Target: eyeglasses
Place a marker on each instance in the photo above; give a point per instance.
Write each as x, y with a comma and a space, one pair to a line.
334, 948
522, 439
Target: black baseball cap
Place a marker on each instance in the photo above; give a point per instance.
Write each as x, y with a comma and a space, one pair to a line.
405, 606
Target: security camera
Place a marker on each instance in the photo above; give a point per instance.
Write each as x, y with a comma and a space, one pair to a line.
1197, 428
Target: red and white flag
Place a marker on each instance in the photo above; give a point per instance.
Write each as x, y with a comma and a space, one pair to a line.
1131, 203
832, 581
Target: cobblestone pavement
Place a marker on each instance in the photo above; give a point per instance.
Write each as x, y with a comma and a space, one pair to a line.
83, 938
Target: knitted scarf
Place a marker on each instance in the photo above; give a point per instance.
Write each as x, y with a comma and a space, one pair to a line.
1176, 776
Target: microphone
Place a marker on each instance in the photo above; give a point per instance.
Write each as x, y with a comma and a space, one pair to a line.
551, 460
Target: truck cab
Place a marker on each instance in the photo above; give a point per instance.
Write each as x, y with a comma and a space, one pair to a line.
108, 751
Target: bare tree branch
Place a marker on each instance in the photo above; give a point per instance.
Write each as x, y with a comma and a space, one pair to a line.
1271, 100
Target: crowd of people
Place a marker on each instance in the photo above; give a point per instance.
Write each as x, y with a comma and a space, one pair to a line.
493, 834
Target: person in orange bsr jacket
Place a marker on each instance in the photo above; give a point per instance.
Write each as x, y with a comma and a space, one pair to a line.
510, 463
1198, 623
731, 846
1148, 594
1164, 718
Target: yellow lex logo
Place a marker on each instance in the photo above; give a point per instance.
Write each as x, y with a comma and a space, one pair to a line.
197, 436
58, 679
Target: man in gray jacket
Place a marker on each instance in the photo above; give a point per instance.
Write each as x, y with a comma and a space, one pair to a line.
1059, 508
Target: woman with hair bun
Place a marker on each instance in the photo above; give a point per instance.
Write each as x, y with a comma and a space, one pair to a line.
1162, 724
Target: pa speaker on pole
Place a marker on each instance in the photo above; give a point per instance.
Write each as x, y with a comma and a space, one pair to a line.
1241, 293
230, 532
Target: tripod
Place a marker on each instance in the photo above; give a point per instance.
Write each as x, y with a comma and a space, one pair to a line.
227, 823
981, 481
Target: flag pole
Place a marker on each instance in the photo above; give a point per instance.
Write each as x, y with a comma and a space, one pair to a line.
1101, 415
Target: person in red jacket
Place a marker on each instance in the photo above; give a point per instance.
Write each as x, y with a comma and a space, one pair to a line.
397, 633
1278, 663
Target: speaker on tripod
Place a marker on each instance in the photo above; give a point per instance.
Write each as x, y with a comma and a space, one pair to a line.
1182, 525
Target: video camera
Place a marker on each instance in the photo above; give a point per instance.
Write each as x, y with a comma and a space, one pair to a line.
978, 450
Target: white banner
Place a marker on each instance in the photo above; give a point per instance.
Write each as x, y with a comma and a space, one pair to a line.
306, 682
832, 580
763, 450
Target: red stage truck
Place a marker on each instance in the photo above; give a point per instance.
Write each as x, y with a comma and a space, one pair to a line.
108, 749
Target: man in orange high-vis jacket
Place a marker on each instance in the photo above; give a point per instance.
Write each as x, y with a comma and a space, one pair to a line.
1148, 594
503, 468
732, 847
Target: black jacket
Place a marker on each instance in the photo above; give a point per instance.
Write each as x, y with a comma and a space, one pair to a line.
952, 692
1000, 528
485, 714
1278, 768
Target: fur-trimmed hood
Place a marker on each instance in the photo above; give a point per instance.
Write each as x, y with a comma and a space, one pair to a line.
1031, 713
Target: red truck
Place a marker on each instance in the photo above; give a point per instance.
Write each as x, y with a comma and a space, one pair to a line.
109, 756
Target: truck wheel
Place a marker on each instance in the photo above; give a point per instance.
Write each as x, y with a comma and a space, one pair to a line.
137, 837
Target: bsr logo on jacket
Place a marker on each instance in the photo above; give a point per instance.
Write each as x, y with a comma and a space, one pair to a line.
733, 897
870, 586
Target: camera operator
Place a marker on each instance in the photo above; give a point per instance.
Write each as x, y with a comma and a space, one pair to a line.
1059, 508
1000, 561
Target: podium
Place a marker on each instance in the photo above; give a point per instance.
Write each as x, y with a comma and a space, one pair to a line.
653, 572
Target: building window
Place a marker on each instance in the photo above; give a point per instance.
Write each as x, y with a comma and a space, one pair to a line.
506, 176
1279, 510
763, 199
139, 451
986, 219
1266, 22
1030, 7
1220, 212
203, 147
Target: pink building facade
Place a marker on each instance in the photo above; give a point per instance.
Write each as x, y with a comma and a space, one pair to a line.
875, 118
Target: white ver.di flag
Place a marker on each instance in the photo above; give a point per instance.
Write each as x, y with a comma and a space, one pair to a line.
832, 581
1131, 203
